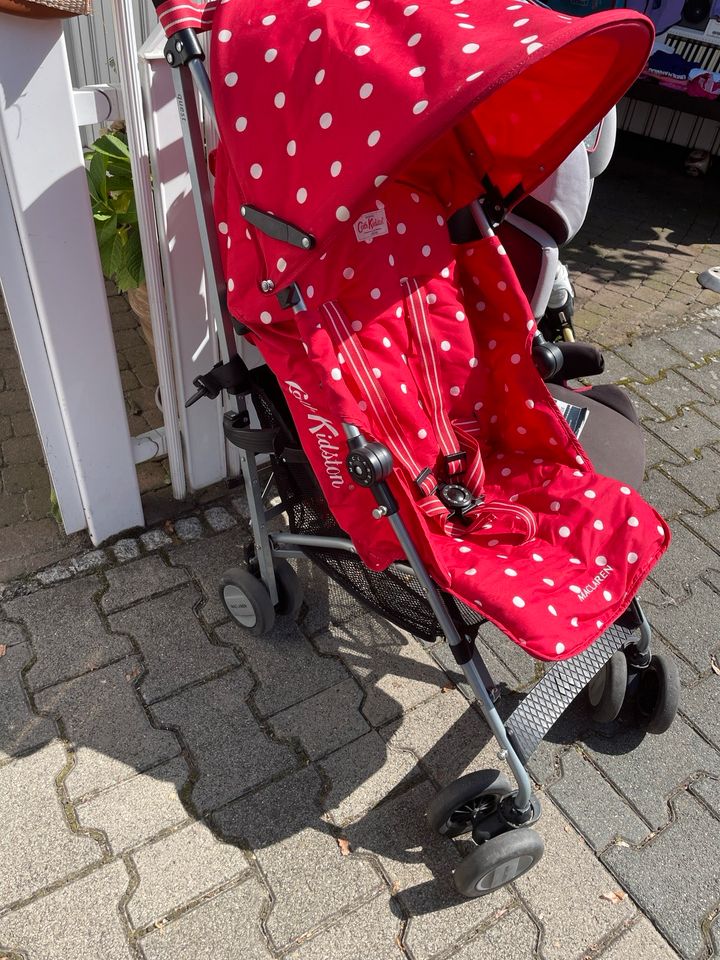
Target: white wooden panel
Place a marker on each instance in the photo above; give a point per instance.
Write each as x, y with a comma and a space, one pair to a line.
42, 158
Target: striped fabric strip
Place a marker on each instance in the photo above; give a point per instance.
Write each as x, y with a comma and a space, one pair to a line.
175, 16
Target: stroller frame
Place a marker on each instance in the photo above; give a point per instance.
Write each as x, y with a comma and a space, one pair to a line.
519, 736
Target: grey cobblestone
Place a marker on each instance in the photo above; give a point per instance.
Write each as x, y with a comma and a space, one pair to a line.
324, 722
232, 753
139, 808
189, 528
709, 792
174, 658
67, 633
702, 706
89, 561
138, 581
694, 342
392, 668
363, 774
204, 861
445, 734
126, 550
597, 810
512, 937
56, 574
30, 808
660, 765
686, 433
690, 625
571, 884
369, 932
671, 393
640, 942
107, 726
651, 356
685, 855
700, 477
208, 565
20, 728
77, 922
296, 854
686, 560
220, 519
287, 668
10, 634
224, 928
667, 497
707, 377
155, 540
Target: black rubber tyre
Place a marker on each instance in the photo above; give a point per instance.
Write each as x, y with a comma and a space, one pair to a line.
498, 862
453, 810
606, 691
290, 590
658, 694
247, 601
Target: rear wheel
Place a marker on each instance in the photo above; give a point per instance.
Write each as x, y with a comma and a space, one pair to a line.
290, 590
658, 694
247, 601
606, 691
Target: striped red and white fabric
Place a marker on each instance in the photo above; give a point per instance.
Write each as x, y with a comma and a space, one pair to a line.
174, 16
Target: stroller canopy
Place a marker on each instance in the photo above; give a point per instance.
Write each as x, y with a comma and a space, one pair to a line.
337, 96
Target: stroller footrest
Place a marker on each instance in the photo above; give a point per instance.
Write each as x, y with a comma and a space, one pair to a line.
550, 697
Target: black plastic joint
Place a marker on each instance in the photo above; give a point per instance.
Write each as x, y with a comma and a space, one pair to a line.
463, 651
182, 47
289, 297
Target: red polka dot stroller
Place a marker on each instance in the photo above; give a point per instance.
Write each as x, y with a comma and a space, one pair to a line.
369, 156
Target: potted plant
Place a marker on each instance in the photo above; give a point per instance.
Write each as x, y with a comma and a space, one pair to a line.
114, 212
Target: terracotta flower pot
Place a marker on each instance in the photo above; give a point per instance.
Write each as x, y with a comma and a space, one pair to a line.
138, 300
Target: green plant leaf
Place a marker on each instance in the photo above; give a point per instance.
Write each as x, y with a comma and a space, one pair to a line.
134, 258
97, 177
109, 255
106, 230
113, 146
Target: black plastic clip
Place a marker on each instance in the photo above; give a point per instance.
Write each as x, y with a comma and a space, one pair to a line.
277, 228
182, 47
231, 376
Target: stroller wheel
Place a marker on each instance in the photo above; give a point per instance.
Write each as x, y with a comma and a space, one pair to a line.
290, 590
247, 601
498, 862
658, 694
606, 691
459, 805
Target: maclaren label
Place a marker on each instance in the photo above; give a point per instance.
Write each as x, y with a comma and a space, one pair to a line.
595, 582
325, 434
370, 225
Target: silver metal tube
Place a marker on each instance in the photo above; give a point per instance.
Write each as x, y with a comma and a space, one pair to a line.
470, 669
202, 84
482, 222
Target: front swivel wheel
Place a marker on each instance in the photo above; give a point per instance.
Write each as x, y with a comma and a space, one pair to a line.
247, 601
658, 694
459, 806
498, 861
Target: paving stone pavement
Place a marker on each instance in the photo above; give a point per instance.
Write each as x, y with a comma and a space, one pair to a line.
171, 787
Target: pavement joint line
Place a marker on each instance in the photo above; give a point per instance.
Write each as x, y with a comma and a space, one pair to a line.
210, 894
122, 905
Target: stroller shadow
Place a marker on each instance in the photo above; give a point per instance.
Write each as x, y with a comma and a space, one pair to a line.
371, 787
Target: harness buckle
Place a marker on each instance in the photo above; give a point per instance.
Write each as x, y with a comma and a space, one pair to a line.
458, 499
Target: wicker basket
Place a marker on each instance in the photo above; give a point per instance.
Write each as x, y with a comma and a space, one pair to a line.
47, 9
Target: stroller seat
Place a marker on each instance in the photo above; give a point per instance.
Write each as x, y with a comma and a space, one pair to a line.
425, 346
